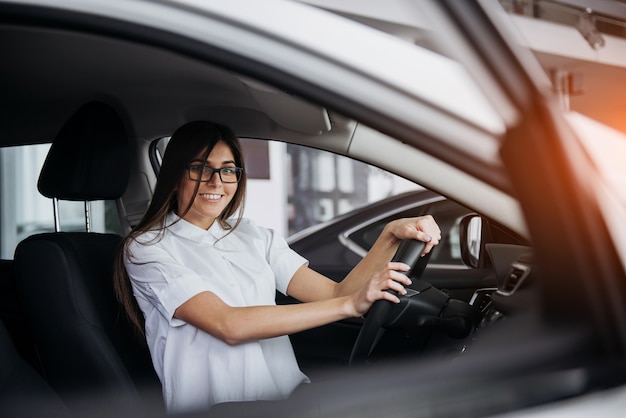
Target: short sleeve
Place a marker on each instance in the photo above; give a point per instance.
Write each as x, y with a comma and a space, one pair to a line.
283, 260
165, 284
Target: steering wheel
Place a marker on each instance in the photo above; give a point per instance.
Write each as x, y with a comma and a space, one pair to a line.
409, 252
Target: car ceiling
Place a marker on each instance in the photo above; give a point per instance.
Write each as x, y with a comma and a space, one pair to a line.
53, 72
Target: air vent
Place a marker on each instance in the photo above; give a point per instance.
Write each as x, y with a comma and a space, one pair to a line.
514, 278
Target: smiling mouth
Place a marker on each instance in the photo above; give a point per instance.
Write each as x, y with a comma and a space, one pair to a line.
210, 196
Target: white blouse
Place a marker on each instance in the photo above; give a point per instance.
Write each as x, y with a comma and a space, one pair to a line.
245, 268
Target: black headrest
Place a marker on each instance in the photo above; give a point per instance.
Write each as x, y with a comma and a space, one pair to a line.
89, 158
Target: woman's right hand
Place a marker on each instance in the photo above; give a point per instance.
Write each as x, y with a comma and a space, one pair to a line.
388, 278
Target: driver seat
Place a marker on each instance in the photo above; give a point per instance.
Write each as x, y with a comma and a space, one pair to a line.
65, 281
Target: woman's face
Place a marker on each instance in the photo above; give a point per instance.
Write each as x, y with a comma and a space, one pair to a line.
214, 195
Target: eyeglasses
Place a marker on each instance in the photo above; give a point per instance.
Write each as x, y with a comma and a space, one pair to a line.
205, 173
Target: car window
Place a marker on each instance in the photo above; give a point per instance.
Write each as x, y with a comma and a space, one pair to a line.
293, 187
323, 186
448, 215
24, 211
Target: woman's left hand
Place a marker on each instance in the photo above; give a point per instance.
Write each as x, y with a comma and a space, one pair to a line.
422, 228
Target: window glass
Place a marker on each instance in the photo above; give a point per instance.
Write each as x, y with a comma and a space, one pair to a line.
323, 185
292, 187
448, 215
24, 211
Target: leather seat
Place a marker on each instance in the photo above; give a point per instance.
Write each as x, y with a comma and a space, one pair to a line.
65, 278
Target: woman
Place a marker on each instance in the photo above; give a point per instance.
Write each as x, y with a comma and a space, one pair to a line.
199, 280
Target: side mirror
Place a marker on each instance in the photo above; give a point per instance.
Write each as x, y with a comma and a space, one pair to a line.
471, 240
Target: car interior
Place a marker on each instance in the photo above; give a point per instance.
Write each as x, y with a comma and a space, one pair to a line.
101, 95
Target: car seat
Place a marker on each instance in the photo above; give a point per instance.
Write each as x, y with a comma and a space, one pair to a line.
64, 279
23, 392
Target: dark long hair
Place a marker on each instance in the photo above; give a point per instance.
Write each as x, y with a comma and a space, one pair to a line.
185, 144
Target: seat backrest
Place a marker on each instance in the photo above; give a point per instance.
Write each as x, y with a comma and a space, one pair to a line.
12, 316
23, 392
65, 279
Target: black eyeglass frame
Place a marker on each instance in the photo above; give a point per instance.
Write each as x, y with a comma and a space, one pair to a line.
219, 171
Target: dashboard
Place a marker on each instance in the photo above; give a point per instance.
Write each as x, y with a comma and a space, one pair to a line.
513, 267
